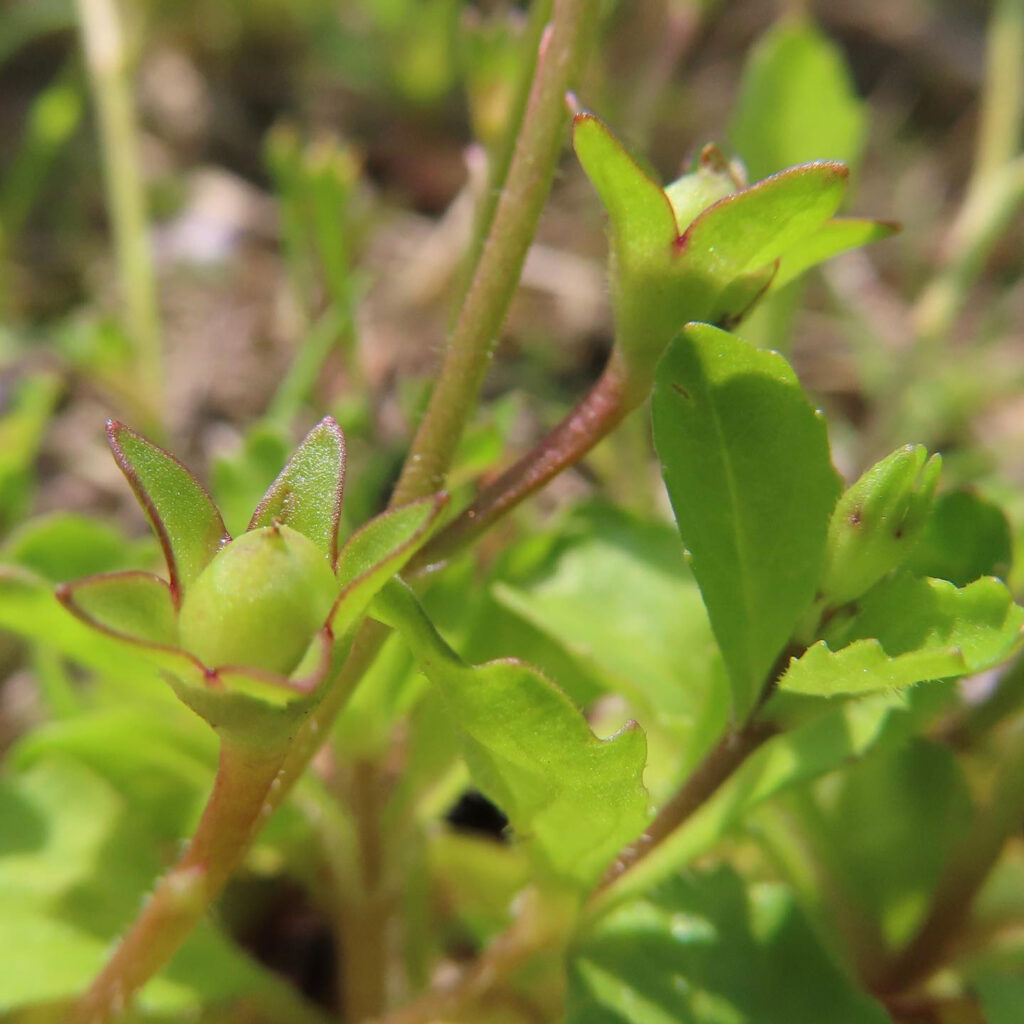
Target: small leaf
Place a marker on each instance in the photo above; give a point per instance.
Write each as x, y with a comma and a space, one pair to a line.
797, 102
576, 798
182, 514
135, 606
832, 238
746, 463
307, 493
378, 550
910, 615
703, 948
965, 537
642, 221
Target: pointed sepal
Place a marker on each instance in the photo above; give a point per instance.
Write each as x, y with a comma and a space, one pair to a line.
183, 516
307, 493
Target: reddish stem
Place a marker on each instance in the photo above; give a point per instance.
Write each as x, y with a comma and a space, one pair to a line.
595, 416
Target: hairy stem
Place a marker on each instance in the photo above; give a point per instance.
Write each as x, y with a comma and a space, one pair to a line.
105, 58
244, 779
530, 174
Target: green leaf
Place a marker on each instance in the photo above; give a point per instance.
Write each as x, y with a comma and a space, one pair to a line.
378, 550
73, 869
64, 546
746, 463
907, 614
703, 949
182, 514
832, 238
307, 493
609, 568
642, 222
577, 799
965, 537
797, 102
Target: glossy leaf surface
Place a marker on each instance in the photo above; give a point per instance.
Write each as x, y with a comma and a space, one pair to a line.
746, 462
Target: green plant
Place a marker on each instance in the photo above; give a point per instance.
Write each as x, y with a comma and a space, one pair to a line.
746, 739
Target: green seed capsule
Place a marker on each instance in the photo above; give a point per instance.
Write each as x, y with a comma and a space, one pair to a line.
259, 602
693, 193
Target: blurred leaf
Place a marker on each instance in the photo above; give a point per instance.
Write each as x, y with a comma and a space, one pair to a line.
577, 799
25, 417
242, 478
797, 102
307, 493
73, 867
965, 537
702, 949
182, 514
64, 546
913, 808
617, 593
746, 463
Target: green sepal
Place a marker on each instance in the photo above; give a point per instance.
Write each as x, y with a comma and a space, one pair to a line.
307, 494
378, 550
835, 236
183, 516
575, 798
133, 606
877, 522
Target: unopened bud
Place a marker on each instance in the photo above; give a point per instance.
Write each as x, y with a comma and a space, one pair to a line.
877, 522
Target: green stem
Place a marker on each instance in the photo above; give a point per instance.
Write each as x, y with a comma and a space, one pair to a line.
476, 330
107, 63
1002, 103
245, 777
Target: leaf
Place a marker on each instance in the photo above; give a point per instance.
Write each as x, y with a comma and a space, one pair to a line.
965, 537
746, 462
641, 216
73, 869
378, 550
832, 238
64, 546
797, 102
703, 949
617, 593
182, 514
307, 493
575, 798
907, 614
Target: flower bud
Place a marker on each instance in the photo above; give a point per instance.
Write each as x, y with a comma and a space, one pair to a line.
714, 179
259, 602
877, 522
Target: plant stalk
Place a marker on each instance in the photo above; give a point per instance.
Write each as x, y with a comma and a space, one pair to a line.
107, 63
594, 417
525, 190
245, 777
